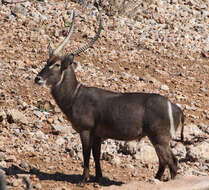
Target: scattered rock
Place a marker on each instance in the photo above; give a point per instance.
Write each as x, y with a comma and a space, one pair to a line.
149, 78
203, 89
2, 156
149, 39
164, 87
40, 135
38, 113
128, 148
24, 165
19, 10
116, 160
107, 157
179, 150
14, 115
200, 151
60, 140
11, 158
58, 129
146, 153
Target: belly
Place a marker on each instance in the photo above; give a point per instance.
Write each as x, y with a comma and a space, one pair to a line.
121, 132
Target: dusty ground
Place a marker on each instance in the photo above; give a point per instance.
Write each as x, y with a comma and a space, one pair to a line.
22, 52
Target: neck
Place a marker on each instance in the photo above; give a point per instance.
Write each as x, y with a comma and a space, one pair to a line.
65, 91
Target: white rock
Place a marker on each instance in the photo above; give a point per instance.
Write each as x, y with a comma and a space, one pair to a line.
201, 150
146, 153
60, 140
164, 87
116, 160
2, 156
62, 129
128, 148
40, 135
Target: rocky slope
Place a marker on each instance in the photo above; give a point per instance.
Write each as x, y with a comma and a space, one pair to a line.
151, 46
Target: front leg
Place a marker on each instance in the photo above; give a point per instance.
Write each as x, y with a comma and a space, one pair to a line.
86, 141
96, 153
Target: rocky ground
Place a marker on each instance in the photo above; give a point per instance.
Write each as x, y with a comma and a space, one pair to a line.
146, 46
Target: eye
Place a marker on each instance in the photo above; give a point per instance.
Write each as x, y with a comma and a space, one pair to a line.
57, 64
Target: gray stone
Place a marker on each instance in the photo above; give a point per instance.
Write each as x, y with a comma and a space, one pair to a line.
204, 127
128, 148
15, 115
40, 135
17, 132
19, 10
201, 150
203, 89
146, 153
179, 150
187, 107
29, 148
2, 156
60, 128
149, 78
11, 158
116, 160
24, 165
56, 33
126, 75
205, 13
27, 4
38, 113
192, 130
3, 164
107, 157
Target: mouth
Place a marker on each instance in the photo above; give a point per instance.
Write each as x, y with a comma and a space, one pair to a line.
39, 81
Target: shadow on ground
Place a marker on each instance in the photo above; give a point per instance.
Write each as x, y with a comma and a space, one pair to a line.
74, 179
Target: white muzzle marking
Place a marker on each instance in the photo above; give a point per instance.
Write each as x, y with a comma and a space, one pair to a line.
170, 115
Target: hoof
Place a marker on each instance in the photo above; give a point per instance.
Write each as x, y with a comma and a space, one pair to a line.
103, 181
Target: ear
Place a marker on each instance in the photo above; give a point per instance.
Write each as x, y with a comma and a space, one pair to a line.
50, 50
67, 61
70, 58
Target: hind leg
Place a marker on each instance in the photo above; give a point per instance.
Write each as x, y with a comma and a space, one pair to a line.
173, 166
165, 155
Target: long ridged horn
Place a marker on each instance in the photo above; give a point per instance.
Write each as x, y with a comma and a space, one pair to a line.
94, 39
64, 42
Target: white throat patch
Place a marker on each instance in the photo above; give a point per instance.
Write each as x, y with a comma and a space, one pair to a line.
61, 79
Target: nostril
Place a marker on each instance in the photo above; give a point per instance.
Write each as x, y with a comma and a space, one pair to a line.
37, 79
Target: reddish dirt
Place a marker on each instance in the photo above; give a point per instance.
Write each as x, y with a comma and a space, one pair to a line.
61, 171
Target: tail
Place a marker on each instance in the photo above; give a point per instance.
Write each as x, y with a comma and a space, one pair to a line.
182, 126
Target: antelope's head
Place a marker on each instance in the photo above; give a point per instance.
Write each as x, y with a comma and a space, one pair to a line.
52, 73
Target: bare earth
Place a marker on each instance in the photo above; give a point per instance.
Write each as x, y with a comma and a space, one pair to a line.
30, 147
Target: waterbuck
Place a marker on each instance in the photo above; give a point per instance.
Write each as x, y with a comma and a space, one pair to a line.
98, 114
